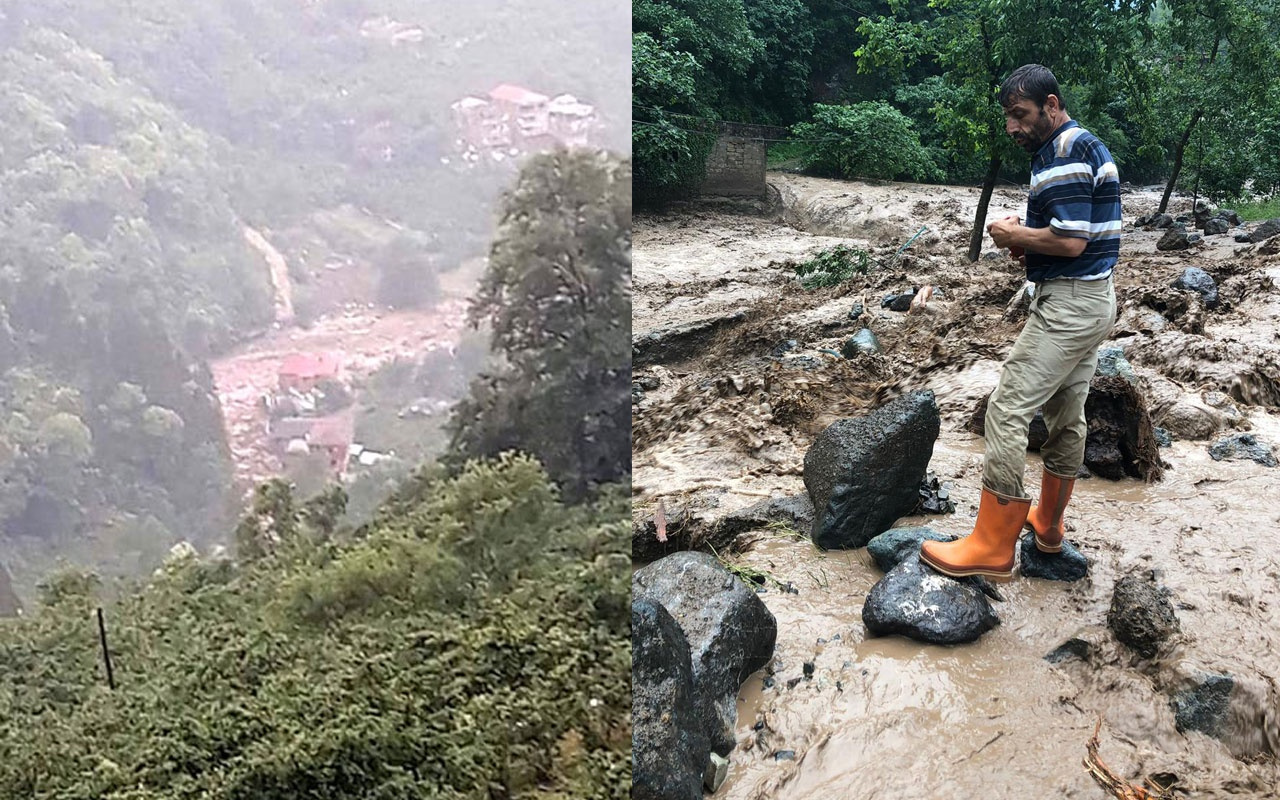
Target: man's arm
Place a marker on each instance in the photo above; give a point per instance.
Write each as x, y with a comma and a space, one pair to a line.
1010, 232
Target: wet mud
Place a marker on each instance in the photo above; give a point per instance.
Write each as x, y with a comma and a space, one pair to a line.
732, 414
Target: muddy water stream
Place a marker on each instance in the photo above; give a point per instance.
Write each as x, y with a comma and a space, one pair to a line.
891, 718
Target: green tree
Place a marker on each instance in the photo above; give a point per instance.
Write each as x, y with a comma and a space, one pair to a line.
1212, 62
688, 58
557, 299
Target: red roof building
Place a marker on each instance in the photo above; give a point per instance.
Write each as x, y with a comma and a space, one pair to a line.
303, 371
517, 95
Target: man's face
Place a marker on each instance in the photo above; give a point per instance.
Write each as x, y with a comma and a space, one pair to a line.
1028, 123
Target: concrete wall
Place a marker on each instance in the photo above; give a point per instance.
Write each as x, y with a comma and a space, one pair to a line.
736, 166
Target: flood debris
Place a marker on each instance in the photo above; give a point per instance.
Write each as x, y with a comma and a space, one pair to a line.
1112, 783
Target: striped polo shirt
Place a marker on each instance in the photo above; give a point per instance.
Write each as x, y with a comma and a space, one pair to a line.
1075, 190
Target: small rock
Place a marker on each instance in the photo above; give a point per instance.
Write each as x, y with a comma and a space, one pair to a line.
902, 302
1197, 280
1069, 565
1111, 362
857, 311
914, 601
808, 669
647, 383
864, 341
784, 346
935, 497
785, 755
1242, 446
1194, 238
1229, 215
1204, 708
1216, 226
1074, 648
895, 545
1243, 238
717, 771
1141, 615
1160, 221
1163, 439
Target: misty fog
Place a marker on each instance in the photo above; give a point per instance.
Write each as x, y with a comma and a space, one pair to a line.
238, 241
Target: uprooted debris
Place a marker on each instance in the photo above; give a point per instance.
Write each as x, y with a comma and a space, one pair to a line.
1121, 440
1112, 783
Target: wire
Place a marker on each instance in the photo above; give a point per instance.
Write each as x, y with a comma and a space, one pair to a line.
713, 133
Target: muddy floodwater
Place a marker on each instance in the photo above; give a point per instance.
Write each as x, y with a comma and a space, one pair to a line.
734, 411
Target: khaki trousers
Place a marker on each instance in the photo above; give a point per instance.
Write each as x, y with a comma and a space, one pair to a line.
1050, 367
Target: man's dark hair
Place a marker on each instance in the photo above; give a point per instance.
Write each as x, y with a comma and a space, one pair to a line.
1030, 82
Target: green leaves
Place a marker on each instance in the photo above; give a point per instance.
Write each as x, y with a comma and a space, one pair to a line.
833, 266
379, 668
557, 298
865, 140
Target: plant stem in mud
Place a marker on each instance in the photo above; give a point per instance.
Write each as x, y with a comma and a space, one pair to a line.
980, 218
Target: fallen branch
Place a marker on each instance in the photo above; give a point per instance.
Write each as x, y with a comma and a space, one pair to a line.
1112, 783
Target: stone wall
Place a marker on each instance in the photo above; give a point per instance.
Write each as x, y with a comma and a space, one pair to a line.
736, 164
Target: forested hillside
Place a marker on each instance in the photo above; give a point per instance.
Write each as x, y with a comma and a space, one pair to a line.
469, 642
138, 141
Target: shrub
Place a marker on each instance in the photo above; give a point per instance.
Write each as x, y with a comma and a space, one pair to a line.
865, 140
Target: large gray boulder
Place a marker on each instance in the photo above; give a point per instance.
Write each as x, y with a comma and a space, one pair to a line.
914, 601
864, 473
1265, 231
669, 746
730, 632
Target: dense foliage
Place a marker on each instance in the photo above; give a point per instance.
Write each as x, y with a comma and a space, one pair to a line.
867, 140
1183, 91
557, 299
470, 642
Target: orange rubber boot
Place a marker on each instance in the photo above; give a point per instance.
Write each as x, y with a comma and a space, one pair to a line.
989, 550
1045, 519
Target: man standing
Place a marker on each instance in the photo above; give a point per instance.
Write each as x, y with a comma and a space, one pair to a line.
1071, 241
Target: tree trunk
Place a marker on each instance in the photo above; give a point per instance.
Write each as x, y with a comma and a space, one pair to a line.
1177, 161
980, 218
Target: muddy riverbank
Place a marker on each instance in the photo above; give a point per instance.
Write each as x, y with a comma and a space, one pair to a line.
736, 349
